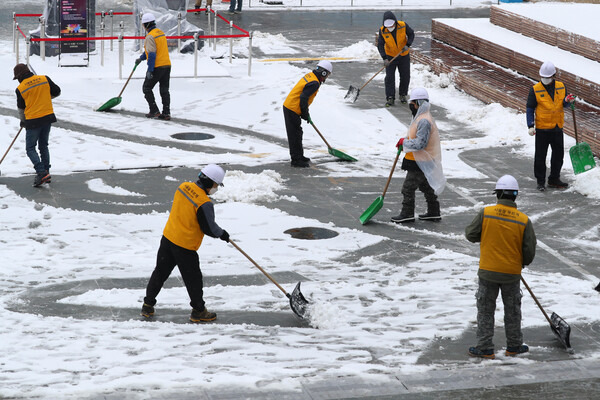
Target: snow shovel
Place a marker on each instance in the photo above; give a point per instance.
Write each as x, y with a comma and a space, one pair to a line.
10, 147
559, 326
115, 101
353, 91
332, 151
298, 303
581, 154
378, 203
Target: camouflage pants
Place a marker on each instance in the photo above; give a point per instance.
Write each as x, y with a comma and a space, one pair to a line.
486, 306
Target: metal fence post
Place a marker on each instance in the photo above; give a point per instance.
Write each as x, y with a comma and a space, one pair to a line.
102, 42
141, 33
215, 33
14, 32
17, 48
209, 27
112, 28
42, 36
230, 41
179, 31
122, 30
195, 54
27, 48
121, 56
250, 54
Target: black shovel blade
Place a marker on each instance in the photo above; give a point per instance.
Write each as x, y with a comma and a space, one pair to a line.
561, 329
298, 303
352, 94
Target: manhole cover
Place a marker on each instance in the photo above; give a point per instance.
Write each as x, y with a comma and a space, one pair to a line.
192, 136
311, 233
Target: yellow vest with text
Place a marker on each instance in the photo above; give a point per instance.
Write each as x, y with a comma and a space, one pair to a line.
292, 101
548, 112
502, 239
162, 50
412, 133
182, 226
391, 47
35, 90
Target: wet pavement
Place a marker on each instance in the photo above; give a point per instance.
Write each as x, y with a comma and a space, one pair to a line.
552, 373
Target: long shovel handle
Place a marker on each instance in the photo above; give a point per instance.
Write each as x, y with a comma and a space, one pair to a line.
574, 121
258, 266
11, 144
322, 137
377, 73
536, 301
130, 75
391, 173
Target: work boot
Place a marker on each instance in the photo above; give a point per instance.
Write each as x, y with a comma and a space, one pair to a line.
557, 184
153, 114
164, 116
541, 187
433, 213
513, 351
300, 163
305, 159
404, 217
202, 316
403, 99
475, 352
389, 101
41, 178
147, 311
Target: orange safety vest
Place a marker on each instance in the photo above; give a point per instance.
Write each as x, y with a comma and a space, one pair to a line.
502, 239
549, 113
292, 101
35, 90
391, 47
182, 227
162, 49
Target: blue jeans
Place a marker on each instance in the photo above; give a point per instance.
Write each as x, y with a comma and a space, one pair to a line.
38, 136
232, 5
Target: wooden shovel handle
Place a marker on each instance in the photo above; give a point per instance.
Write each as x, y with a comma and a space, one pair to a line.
377, 73
130, 75
258, 266
11, 144
574, 121
536, 301
313, 125
391, 173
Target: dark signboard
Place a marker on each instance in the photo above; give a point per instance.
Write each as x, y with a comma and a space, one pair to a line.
73, 24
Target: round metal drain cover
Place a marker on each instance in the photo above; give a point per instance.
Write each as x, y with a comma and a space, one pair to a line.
311, 233
192, 136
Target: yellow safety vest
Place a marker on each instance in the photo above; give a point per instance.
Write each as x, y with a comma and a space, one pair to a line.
412, 133
35, 90
391, 47
292, 101
162, 49
182, 227
502, 239
549, 113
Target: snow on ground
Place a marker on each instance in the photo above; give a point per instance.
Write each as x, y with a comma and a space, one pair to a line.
365, 311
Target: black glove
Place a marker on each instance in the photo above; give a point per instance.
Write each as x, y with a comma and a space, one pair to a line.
149, 75
306, 116
386, 63
224, 236
138, 61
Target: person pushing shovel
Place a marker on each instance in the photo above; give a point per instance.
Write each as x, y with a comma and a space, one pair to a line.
507, 243
192, 216
295, 108
422, 162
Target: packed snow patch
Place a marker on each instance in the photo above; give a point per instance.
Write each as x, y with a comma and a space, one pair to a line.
251, 188
98, 185
588, 183
363, 50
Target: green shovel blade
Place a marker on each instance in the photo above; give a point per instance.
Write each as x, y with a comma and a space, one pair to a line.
110, 104
372, 210
341, 155
582, 158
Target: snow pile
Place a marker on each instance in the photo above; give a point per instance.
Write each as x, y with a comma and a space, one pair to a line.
360, 50
98, 185
251, 188
588, 183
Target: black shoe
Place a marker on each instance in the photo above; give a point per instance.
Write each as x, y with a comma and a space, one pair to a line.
541, 187
41, 178
164, 116
147, 311
434, 217
202, 316
403, 99
389, 102
152, 114
300, 164
557, 184
403, 218
305, 159
513, 351
475, 352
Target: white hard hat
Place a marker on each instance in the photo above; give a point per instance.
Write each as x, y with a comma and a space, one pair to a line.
388, 23
547, 70
418, 94
325, 65
507, 182
148, 17
215, 173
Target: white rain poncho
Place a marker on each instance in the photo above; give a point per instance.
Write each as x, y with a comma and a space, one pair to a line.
429, 158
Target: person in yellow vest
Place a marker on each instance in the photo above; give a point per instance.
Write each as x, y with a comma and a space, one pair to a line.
422, 161
394, 39
507, 243
295, 108
156, 52
192, 216
34, 102
545, 119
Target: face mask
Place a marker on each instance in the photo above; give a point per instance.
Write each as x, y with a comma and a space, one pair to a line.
213, 190
413, 109
391, 29
547, 81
